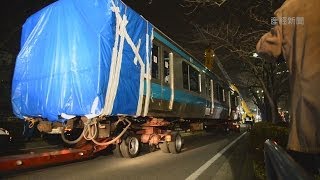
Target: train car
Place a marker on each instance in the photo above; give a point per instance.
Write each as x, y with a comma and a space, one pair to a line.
102, 68
182, 87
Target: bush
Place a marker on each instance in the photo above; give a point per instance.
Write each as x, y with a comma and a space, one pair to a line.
266, 130
258, 135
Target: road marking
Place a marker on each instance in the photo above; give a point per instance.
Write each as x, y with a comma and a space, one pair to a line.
205, 166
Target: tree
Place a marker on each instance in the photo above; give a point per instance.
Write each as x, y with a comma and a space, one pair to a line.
234, 37
275, 78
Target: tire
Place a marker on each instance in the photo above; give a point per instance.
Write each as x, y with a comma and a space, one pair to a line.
130, 147
116, 151
175, 146
164, 147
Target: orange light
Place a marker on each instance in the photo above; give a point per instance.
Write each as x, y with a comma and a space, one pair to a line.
168, 138
275, 142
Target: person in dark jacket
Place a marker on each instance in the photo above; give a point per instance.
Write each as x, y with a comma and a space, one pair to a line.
296, 36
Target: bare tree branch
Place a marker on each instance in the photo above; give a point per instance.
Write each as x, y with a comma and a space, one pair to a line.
234, 42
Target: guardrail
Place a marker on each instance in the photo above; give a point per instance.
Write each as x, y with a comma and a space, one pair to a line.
279, 165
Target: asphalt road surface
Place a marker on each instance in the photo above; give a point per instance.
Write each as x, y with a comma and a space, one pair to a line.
204, 156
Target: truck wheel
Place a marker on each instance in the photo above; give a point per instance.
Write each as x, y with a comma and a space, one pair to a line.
175, 145
116, 151
164, 147
130, 147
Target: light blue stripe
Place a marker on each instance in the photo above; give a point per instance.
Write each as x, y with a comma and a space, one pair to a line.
164, 93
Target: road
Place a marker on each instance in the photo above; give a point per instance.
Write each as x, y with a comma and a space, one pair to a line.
203, 152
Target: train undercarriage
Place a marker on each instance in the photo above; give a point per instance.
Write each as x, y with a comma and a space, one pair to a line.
84, 138
125, 136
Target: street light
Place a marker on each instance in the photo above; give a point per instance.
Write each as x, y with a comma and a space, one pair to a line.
255, 56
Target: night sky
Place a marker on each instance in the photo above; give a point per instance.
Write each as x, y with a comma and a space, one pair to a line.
167, 15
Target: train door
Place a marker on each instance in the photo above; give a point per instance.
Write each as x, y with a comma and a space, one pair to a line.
209, 96
167, 82
156, 74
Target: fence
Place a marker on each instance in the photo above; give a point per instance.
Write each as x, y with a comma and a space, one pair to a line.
279, 165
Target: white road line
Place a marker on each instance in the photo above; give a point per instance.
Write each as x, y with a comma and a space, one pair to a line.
205, 166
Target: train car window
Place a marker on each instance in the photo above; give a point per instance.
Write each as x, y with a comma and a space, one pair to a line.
208, 87
217, 93
233, 99
228, 95
155, 62
185, 74
220, 94
166, 71
194, 79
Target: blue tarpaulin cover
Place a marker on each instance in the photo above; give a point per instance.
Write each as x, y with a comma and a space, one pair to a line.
65, 61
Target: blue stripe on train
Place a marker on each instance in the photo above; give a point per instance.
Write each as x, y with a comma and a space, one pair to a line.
164, 93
